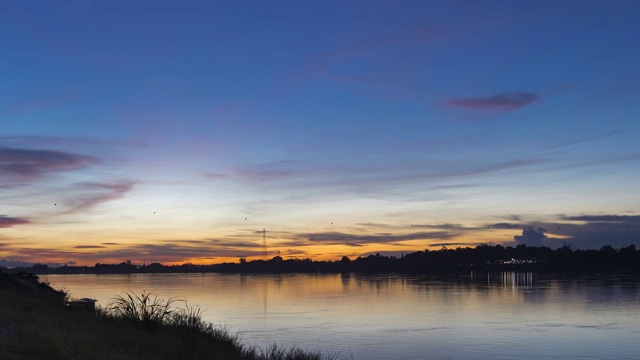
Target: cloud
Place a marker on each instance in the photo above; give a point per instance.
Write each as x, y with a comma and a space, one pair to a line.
99, 193
214, 176
6, 221
35, 105
408, 36
465, 244
503, 101
584, 231
29, 165
337, 238
58, 141
89, 247
46, 253
171, 252
234, 244
531, 236
372, 179
604, 218
595, 231
506, 226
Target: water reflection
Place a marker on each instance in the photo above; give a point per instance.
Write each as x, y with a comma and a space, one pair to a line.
509, 315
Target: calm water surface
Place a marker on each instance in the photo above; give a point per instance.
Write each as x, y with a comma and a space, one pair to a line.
470, 316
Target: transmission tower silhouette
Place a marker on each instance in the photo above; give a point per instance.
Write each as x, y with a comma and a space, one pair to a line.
264, 244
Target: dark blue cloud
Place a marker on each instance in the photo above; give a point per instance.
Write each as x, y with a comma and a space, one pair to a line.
531, 236
29, 165
581, 231
503, 101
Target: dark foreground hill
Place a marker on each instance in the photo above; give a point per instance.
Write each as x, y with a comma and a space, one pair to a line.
37, 323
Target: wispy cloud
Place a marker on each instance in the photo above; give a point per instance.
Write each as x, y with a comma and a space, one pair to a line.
214, 176
99, 193
409, 36
6, 221
29, 165
338, 238
503, 102
462, 244
35, 104
362, 177
173, 252
604, 218
507, 226
62, 141
229, 244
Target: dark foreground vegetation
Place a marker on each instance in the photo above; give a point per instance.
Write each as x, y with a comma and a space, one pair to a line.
484, 257
36, 323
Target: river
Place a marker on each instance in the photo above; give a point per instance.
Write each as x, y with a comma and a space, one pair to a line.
380, 317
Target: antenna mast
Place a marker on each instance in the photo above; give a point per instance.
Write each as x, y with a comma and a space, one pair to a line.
264, 244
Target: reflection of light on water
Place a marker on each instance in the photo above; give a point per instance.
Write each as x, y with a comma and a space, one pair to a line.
513, 279
517, 279
264, 300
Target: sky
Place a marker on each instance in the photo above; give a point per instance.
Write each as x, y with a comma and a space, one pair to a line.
176, 131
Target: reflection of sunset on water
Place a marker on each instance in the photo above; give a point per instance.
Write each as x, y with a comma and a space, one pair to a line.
378, 316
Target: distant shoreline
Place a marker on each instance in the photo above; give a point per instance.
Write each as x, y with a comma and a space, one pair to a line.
481, 258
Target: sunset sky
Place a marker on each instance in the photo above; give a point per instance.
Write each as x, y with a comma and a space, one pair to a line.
174, 131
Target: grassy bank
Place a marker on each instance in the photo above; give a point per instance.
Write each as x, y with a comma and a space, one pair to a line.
36, 324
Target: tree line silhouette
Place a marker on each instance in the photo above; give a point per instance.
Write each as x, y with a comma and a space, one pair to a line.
483, 257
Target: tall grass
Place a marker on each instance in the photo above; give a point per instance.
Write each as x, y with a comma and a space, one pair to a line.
146, 308
149, 310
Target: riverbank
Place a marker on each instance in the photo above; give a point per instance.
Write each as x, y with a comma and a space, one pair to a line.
35, 323
485, 258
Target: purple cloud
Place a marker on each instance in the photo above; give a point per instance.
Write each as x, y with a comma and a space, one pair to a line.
26, 164
99, 193
503, 101
6, 221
